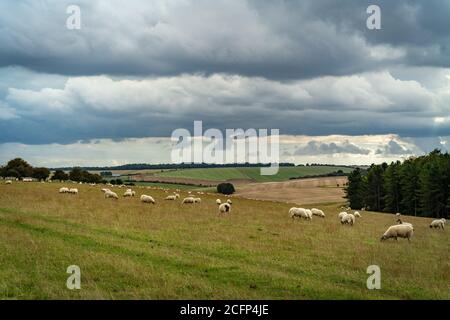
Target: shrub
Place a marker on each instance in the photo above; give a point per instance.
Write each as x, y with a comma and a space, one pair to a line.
225, 188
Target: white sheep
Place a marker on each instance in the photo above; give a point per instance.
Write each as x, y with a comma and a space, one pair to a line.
129, 193
197, 200
105, 190
299, 213
218, 202
398, 230
398, 214
438, 224
8, 182
318, 212
342, 214
110, 194
399, 221
224, 208
73, 191
147, 199
348, 219
64, 190
357, 214
171, 197
188, 200
229, 201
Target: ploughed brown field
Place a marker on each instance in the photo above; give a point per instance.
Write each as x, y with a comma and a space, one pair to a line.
302, 191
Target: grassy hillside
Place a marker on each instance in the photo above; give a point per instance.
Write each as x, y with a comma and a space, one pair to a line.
220, 174
126, 249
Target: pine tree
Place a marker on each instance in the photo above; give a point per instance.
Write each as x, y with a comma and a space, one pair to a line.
410, 187
392, 188
375, 193
355, 189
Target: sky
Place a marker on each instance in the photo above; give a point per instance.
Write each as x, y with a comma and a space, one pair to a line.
113, 91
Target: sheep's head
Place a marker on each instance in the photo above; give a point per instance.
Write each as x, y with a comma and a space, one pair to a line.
383, 237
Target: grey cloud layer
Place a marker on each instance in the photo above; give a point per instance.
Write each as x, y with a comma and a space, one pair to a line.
103, 107
145, 68
272, 39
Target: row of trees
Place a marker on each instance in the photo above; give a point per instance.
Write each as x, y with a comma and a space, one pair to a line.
78, 175
418, 186
176, 166
19, 168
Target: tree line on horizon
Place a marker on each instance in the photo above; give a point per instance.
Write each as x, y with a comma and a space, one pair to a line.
20, 169
418, 186
176, 166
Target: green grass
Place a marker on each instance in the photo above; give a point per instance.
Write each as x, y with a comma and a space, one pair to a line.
220, 174
129, 250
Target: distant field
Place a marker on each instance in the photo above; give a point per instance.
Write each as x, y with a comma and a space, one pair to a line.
167, 185
254, 174
130, 250
311, 190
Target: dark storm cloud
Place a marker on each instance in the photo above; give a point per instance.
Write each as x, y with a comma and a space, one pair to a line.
164, 64
272, 39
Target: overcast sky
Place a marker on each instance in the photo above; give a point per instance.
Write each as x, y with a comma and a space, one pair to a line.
113, 91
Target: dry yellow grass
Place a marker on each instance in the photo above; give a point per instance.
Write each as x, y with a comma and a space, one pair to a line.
127, 249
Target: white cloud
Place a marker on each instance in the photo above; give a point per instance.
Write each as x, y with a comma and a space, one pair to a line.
106, 152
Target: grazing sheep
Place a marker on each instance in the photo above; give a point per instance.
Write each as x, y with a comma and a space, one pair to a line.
318, 212
129, 193
64, 190
147, 199
224, 208
229, 201
438, 224
299, 213
188, 200
398, 214
342, 214
110, 194
73, 191
218, 202
357, 214
399, 230
8, 182
348, 219
399, 221
171, 197
27, 179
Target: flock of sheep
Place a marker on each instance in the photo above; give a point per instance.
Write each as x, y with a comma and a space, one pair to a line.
223, 208
399, 230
